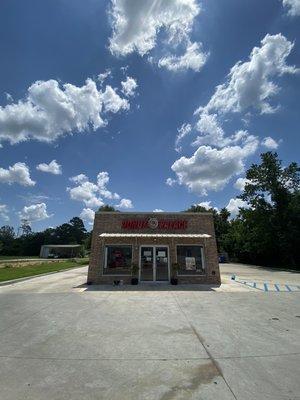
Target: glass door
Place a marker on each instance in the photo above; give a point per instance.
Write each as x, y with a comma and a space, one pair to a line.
161, 264
154, 263
147, 263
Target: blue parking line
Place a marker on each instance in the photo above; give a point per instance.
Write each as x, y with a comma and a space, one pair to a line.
288, 288
266, 287
277, 287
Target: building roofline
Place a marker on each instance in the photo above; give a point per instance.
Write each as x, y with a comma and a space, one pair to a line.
151, 212
61, 245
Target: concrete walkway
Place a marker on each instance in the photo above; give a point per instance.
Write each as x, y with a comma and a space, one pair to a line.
62, 340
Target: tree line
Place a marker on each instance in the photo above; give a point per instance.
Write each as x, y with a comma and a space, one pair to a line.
267, 232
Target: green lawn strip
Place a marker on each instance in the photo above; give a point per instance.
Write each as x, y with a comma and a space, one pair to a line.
8, 258
8, 272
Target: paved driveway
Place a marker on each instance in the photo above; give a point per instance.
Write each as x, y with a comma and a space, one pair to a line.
62, 340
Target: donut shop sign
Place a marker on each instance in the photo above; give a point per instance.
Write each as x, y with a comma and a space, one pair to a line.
154, 223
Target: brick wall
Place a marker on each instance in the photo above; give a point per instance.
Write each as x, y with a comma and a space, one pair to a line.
111, 222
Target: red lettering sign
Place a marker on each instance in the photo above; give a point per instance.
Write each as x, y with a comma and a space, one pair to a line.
153, 223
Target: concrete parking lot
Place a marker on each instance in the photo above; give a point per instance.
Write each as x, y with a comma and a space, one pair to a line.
60, 339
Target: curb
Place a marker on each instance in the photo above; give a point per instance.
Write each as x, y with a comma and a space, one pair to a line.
26, 278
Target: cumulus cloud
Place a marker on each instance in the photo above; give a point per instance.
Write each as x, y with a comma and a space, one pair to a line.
293, 7
138, 25
207, 205
125, 203
93, 194
193, 58
158, 210
270, 143
79, 178
102, 77
240, 183
129, 86
51, 110
211, 169
183, 131
35, 212
249, 84
234, 206
4, 213
170, 181
53, 168
112, 102
88, 215
17, 173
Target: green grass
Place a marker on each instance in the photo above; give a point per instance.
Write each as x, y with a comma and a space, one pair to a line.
10, 272
17, 257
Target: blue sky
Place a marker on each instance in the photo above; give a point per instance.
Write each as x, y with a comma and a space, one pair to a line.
170, 56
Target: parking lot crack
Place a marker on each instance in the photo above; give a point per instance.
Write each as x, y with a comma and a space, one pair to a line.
201, 341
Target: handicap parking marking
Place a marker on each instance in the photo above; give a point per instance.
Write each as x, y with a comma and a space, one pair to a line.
277, 287
269, 287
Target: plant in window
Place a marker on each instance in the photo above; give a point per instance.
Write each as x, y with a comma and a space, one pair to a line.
175, 269
134, 272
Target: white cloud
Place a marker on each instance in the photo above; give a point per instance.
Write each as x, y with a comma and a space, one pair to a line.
129, 86
35, 212
92, 194
171, 182
125, 203
211, 131
87, 193
87, 215
113, 102
4, 212
183, 131
205, 204
79, 178
249, 83
102, 77
53, 168
17, 173
270, 143
234, 206
137, 26
240, 183
158, 210
293, 7
193, 58
51, 110
211, 169
9, 97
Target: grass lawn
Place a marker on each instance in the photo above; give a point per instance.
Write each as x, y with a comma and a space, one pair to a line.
3, 258
12, 272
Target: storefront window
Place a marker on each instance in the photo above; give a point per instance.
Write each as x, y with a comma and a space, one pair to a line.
118, 259
190, 260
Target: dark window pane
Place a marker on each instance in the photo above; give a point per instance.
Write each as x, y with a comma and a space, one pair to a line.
190, 260
118, 259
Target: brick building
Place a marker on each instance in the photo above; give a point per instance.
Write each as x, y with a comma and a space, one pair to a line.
153, 242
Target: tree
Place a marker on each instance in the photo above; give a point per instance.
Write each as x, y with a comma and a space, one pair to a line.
271, 227
7, 236
77, 229
106, 207
221, 222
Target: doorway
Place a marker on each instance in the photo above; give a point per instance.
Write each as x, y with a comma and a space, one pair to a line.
154, 264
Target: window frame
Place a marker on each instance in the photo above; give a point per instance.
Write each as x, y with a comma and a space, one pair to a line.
202, 258
105, 254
